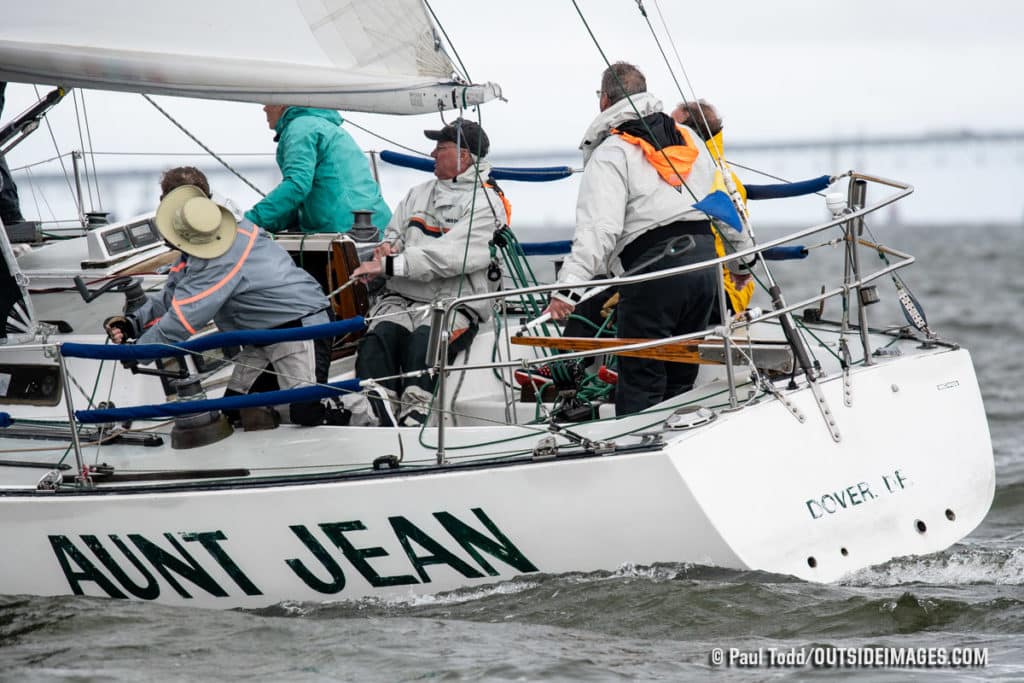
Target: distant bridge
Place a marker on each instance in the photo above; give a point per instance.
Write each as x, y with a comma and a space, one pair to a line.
131, 188
571, 156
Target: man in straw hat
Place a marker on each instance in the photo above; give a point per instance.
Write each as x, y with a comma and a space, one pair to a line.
237, 276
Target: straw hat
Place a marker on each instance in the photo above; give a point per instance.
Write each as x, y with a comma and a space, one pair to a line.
193, 223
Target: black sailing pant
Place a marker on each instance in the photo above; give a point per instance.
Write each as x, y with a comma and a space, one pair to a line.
661, 308
390, 349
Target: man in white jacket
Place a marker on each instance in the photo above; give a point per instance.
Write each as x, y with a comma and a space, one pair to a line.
641, 176
435, 247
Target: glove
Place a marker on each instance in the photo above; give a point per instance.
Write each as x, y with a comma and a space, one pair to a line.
122, 325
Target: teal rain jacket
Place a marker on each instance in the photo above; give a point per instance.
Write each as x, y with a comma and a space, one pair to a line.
325, 177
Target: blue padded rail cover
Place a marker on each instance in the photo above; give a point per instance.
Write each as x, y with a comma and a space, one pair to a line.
536, 174
780, 190
546, 248
785, 253
210, 341
564, 246
266, 398
5, 420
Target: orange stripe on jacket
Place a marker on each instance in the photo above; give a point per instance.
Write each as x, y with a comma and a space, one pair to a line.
180, 266
680, 156
504, 202
223, 281
422, 225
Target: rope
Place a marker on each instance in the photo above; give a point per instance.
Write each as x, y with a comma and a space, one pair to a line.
207, 149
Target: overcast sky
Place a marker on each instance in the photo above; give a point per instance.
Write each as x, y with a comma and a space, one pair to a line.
779, 69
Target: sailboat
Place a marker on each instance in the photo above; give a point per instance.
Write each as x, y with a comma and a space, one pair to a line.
809, 446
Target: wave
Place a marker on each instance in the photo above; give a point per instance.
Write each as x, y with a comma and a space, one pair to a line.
956, 567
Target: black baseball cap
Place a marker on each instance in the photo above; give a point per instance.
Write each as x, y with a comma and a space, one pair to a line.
467, 133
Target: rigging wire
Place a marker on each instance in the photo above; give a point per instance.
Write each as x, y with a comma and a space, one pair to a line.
81, 144
209, 151
654, 34
387, 140
629, 98
679, 61
60, 156
35, 196
92, 151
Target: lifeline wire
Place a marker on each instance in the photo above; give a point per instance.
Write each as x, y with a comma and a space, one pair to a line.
318, 384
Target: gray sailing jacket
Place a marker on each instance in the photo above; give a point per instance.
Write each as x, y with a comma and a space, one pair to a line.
255, 285
442, 228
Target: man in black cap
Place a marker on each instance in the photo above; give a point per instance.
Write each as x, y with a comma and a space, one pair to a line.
435, 247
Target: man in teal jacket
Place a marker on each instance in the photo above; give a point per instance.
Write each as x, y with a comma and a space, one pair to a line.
325, 175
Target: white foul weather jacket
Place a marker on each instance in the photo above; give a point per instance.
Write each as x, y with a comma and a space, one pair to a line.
622, 196
442, 229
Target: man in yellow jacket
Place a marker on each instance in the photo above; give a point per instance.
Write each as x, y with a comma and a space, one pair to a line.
702, 117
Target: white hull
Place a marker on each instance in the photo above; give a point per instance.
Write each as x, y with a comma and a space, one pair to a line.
709, 496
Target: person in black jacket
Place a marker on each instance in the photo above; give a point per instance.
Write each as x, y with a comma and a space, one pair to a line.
10, 208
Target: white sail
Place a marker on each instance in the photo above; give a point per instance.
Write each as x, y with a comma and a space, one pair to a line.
360, 55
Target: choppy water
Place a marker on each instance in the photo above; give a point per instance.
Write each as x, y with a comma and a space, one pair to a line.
657, 622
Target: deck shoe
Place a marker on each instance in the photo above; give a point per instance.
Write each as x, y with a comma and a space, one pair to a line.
415, 406
337, 417
360, 411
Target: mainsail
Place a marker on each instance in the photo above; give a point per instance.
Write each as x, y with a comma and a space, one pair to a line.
380, 56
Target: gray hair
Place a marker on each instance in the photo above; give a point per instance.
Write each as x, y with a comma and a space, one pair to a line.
622, 79
702, 117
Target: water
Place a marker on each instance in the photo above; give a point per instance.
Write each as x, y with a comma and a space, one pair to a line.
658, 622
